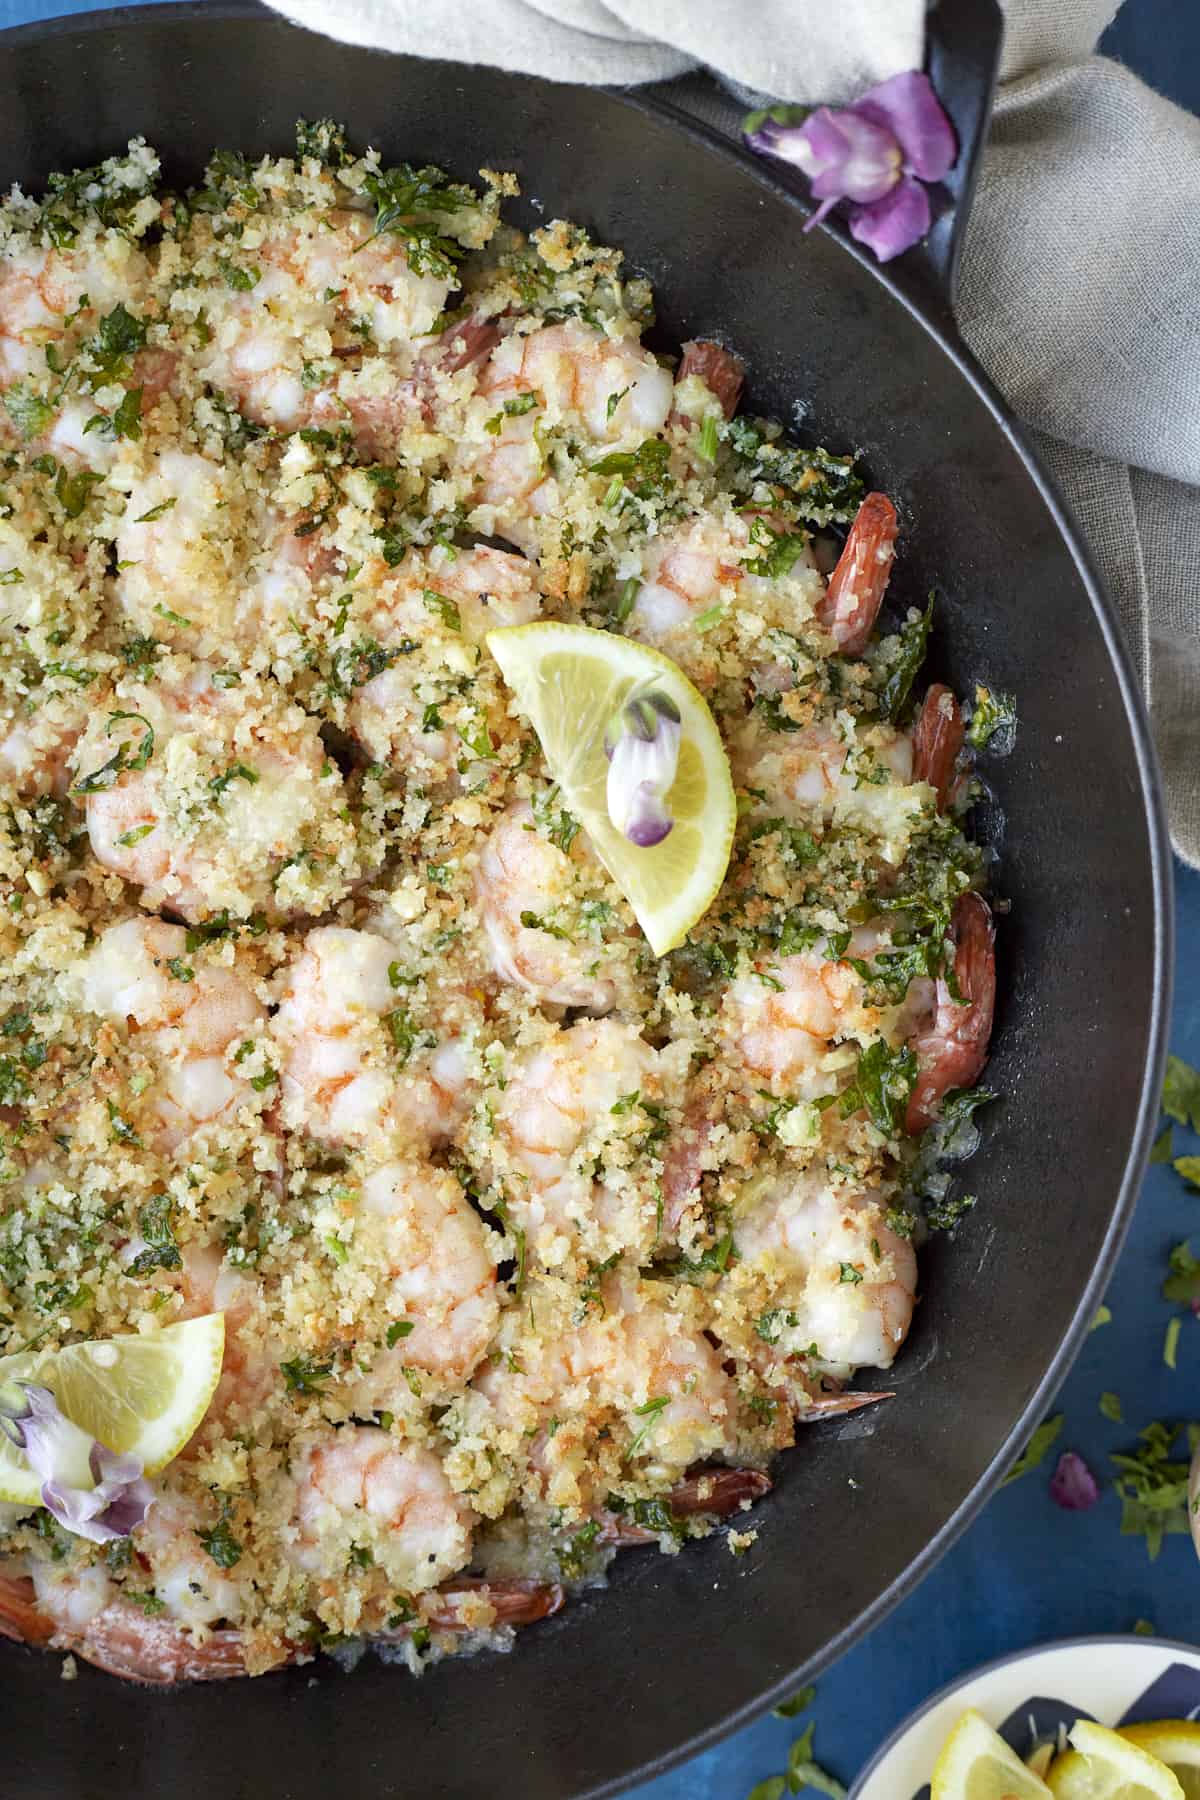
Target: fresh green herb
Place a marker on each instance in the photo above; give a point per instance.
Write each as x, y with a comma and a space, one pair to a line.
1182, 1285
407, 1036
125, 422
1189, 1168
71, 491
236, 772
649, 1412
771, 1325
903, 670
180, 970
10, 577
1110, 1408
1103, 1317
709, 440
122, 1130
1171, 1341
322, 141
572, 1558
1154, 1487
29, 412
627, 599
409, 202
339, 1250
992, 714
1047, 1434
236, 277
611, 404
221, 1544
817, 486
642, 472
883, 1083
778, 551
798, 1703
1181, 1093
354, 665
119, 337
444, 607
304, 1376
400, 1328
1144, 1628
156, 1227
803, 1772
848, 1273
773, 1788
1164, 1147
149, 1602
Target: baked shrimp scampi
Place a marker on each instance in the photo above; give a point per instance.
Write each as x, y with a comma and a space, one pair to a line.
491, 963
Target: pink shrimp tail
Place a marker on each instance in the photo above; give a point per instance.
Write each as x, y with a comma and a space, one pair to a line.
952, 1053
722, 373
937, 738
859, 581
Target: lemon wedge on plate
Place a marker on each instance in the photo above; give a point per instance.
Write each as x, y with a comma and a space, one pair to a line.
975, 1763
570, 681
1111, 1765
1175, 1742
139, 1395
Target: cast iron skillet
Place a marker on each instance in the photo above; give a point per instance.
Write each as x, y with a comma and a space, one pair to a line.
679, 1650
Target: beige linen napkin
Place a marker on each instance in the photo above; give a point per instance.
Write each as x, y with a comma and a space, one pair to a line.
1080, 283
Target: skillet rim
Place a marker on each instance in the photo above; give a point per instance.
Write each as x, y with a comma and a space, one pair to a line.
931, 312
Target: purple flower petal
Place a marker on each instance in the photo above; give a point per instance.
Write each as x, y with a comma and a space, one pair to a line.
894, 223
89, 1489
908, 108
642, 746
1072, 1484
847, 156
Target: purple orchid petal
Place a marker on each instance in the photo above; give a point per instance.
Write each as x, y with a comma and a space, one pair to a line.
907, 107
894, 223
1072, 1485
847, 156
89, 1489
642, 746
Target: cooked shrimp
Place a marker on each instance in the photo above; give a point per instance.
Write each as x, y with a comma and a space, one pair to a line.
250, 1368
183, 1576
838, 1275
952, 1048
360, 1488
782, 1021
311, 268
523, 887
178, 574
937, 738
440, 1265
665, 1379
835, 773
722, 373
40, 289
223, 799
467, 594
608, 388
611, 386
186, 1014
36, 746
859, 582
695, 571
564, 1121
81, 1610
351, 1076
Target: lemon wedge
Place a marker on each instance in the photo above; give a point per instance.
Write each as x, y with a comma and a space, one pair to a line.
1175, 1742
569, 681
975, 1763
1110, 1765
139, 1395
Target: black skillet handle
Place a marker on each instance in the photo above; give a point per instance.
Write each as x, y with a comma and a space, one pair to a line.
962, 59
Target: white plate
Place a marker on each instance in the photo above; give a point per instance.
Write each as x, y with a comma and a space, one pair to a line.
1116, 1680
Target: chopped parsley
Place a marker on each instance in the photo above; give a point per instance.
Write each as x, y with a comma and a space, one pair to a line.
1046, 1435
